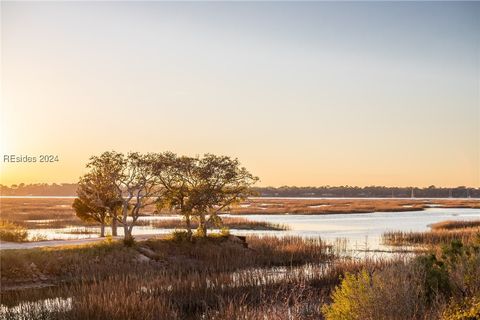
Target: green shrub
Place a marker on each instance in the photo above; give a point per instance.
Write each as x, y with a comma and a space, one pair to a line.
463, 266
350, 298
12, 232
180, 235
436, 279
394, 293
200, 233
468, 309
415, 289
225, 231
129, 241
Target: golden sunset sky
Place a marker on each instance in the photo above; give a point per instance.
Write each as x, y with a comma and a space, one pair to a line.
367, 93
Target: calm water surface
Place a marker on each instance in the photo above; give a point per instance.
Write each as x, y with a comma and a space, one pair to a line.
361, 231
365, 228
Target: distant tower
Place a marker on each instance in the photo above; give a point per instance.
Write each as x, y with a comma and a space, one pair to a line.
412, 195
450, 193
468, 193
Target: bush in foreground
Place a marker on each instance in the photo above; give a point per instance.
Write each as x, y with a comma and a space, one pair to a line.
393, 293
468, 309
12, 232
418, 289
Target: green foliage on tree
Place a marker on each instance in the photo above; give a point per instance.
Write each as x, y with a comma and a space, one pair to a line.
201, 187
118, 187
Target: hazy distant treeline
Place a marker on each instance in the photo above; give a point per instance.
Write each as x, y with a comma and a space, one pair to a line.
69, 189
369, 192
39, 189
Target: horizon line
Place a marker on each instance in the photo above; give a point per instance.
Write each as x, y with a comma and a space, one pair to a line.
288, 186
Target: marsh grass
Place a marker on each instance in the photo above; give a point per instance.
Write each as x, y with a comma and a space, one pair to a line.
395, 290
213, 254
40, 213
332, 206
80, 231
441, 233
455, 224
399, 238
211, 279
228, 222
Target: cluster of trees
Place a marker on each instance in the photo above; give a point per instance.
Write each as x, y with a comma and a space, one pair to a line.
369, 192
118, 187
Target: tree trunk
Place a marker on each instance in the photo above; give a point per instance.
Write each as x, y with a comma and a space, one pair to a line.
128, 240
102, 230
114, 226
126, 232
130, 228
124, 222
189, 227
203, 226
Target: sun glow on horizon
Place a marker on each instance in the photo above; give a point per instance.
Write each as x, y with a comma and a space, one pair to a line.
304, 94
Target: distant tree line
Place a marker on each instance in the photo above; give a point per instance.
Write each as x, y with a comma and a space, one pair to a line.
369, 192
39, 189
70, 189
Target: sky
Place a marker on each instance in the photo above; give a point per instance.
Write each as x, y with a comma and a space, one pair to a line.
305, 93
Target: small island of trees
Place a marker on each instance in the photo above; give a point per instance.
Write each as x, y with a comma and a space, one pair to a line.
118, 187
